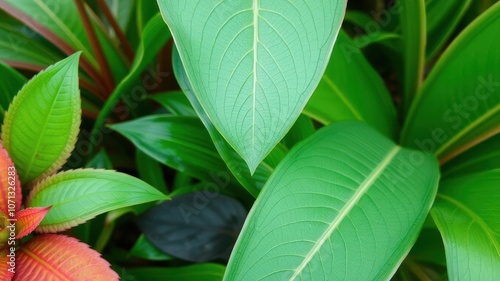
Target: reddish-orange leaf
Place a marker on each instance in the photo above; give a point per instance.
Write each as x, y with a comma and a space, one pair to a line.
7, 268
10, 187
28, 219
59, 257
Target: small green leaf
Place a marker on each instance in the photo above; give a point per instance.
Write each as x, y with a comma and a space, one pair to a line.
146, 250
79, 195
345, 204
253, 64
40, 129
456, 109
11, 82
205, 272
351, 89
466, 213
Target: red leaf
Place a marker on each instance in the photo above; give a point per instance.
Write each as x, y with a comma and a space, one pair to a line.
59, 257
9, 183
29, 219
5, 273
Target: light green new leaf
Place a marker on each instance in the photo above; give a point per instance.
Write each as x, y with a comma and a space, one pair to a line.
482, 157
11, 82
459, 104
205, 272
413, 31
176, 141
41, 127
442, 19
253, 183
153, 38
79, 195
466, 213
253, 64
351, 89
345, 204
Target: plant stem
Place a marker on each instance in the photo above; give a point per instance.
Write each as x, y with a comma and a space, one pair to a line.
96, 47
127, 48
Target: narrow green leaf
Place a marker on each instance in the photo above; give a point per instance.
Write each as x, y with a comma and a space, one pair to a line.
146, 9
351, 89
150, 170
155, 35
413, 30
253, 64
456, 109
335, 209
41, 127
79, 195
176, 102
11, 82
144, 249
466, 213
205, 272
100, 161
482, 157
176, 141
442, 19
252, 182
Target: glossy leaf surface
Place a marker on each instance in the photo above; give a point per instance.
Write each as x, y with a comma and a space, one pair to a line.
40, 129
253, 64
345, 204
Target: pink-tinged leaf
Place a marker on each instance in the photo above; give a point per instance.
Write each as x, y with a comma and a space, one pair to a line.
29, 219
5, 272
10, 187
59, 257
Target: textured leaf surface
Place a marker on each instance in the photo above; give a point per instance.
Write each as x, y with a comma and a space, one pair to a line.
345, 204
252, 182
79, 195
253, 64
466, 213
28, 219
9, 184
199, 226
351, 89
40, 129
11, 82
455, 110
5, 274
205, 272
58, 257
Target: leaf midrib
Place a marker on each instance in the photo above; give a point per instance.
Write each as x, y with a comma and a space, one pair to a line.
45, 264
363, 188
476, 218
255, 11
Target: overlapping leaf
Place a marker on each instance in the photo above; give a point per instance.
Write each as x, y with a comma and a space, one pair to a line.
253, 64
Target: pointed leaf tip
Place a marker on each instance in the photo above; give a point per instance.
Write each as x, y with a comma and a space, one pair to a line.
29, 219
47, 109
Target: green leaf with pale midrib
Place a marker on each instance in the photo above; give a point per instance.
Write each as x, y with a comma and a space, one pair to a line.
454, 109
466, 213
41, 126
243, 57
79, 195
335, 209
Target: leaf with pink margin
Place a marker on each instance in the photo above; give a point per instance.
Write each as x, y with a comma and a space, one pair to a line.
59, 257
5, 274
6, 179
29, 219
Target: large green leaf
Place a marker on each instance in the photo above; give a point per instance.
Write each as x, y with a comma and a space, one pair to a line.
205, 272
79, 195
442, 19
177, 141
413, 31
40, 129
345, 204
466, 213
11, 82
456, 108
253, 64
482, 157
252, 182
351, 89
